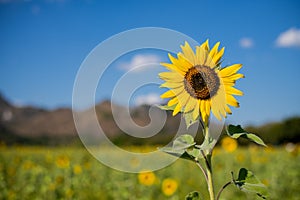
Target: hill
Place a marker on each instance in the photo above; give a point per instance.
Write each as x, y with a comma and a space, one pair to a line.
33, 125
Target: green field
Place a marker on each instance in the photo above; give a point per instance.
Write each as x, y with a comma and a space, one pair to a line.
72, 173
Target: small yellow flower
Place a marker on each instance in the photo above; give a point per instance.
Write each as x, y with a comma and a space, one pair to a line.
146, 178
62, 161
77, 169
28, 164
229, 144
169, 186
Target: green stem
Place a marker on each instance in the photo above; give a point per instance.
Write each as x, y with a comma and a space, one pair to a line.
209, 174
210, 179
202, 169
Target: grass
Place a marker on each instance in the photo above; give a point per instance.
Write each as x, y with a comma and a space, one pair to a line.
72, 173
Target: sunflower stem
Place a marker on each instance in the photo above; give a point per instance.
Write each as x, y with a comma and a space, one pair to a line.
210, 179
209, 173
202, 169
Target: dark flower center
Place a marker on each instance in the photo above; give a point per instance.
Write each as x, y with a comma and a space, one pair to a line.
201, 82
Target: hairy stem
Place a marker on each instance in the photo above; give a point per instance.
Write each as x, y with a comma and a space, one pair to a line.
210, 178
207, 156
202, 169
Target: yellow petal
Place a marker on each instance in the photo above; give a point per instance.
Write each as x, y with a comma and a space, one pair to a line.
228, 110
196, 110
191, 104
184, 61
218, 56
218, 102
205, 120
168, 94
173, 101
236, 76
171, 76
188, 53
205, 45
209, 60
214, 50
231, 100
178, 90
173, 68
228, 82
201, 55
222, 96
171, 85
177, 109
183, 98
207, 107
228, 71
222, 109
216, 112
202, 109
234, 91
180, 63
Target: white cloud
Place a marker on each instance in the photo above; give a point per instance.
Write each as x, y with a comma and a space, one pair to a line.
289, 38
140, 60
148, 99
246, 43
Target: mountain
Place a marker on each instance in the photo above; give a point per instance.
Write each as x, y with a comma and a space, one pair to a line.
35, 125
31, 123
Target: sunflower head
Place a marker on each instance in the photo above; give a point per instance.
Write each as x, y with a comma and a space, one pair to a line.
197, 83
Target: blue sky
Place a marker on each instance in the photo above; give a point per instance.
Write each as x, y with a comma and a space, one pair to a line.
43, 43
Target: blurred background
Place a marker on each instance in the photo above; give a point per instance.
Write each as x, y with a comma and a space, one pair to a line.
42, 46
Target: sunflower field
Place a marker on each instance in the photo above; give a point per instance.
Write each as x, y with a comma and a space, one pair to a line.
72, 173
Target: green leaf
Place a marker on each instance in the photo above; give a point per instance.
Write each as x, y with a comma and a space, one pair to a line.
208, 143
255, 139
237, 131
183, 142
181, 153
195, 153
188, 117
184, 147
166, 107
179, 147
193, 196
248, 182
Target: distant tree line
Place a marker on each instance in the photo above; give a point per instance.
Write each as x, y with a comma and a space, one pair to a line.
273, 133
280, 132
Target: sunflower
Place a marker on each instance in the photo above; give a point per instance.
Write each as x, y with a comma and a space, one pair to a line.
197, 83
169, 186
63, 161
146, 178
229, 144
